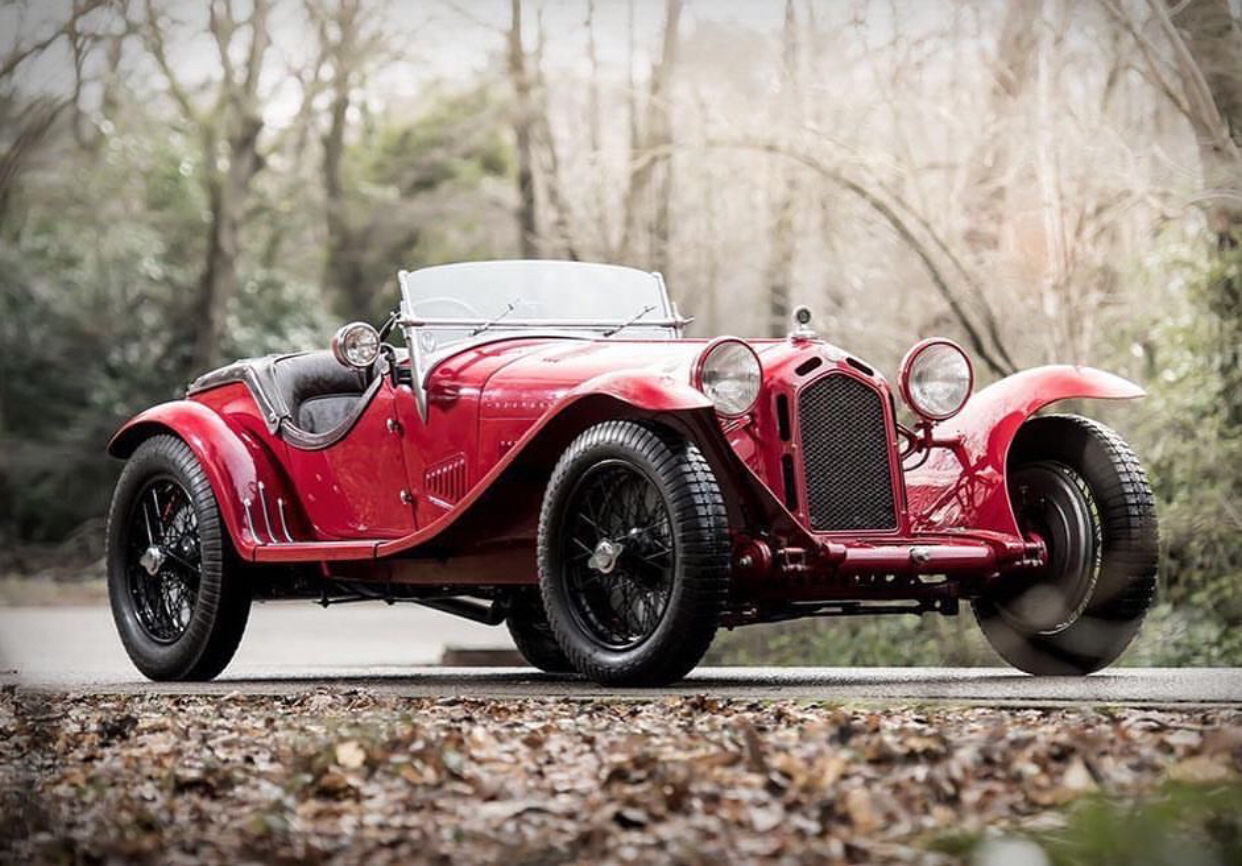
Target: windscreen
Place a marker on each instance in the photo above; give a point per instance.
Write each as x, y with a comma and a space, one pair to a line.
568, 295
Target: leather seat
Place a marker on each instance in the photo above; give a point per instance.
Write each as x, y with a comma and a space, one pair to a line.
309, 399
320, 393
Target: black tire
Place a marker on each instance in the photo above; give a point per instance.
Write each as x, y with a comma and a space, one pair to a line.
679, 561
1078, 613
531, 633
195, 637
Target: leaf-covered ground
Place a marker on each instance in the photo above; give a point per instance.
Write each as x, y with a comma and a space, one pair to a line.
356, 777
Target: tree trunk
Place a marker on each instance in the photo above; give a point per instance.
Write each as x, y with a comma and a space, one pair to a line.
523, 133
562, 222
984, 204
33, 125
344, 278
1214, 37
227, 194
651, 164
783, 243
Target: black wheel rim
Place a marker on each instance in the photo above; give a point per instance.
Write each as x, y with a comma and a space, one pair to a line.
1055, 504
618, 555
163, 559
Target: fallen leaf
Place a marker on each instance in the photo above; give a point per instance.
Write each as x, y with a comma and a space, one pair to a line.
861, 810
1077, 777
350, 755
1200, 769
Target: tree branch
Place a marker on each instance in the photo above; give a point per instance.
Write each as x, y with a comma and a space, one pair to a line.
899, 225
1151, 56
153, 35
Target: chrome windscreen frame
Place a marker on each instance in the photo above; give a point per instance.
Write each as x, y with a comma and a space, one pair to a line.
419, 368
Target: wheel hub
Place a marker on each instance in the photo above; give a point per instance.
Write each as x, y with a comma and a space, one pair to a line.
605, 557
152, 560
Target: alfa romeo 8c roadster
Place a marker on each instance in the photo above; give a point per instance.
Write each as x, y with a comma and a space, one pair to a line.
536, 444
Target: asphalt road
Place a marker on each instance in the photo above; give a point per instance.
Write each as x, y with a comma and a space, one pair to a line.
295, 647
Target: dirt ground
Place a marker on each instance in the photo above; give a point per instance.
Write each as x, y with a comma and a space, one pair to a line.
362, 778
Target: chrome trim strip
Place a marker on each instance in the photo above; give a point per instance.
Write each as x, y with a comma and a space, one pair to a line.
267, 518
250, 521
284, 527
409, 321
256, 375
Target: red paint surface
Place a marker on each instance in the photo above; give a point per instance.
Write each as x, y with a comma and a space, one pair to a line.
493, 405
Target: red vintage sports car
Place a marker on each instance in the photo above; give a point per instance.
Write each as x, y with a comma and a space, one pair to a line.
548, 451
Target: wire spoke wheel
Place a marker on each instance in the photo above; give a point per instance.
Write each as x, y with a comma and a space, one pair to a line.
619, 555
163, 561
633, 554
178, 595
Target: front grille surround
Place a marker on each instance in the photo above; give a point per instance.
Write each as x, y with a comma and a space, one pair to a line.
846, 449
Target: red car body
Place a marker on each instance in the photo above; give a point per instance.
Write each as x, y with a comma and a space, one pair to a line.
549, 452
450, 501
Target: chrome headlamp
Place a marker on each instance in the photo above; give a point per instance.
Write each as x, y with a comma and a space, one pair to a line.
936, 379
356, 345
730, 374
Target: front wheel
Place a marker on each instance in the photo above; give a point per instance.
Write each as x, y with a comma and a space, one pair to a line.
179, 607
633, 554
1076, 485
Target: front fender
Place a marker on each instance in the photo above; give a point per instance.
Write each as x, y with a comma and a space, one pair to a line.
618, 394
642, 390
234, 461
968, 489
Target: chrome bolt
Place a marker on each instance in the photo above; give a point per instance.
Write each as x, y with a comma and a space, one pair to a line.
153, 559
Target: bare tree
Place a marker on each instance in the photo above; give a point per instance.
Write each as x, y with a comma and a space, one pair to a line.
1210, 62
523, 133
552, 178
649, 193
351, 43
227, 125
783, 237
26, 122
1011, 72
1209, 58
1204, 81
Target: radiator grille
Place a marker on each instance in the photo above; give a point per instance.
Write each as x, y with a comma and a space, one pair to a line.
845, 452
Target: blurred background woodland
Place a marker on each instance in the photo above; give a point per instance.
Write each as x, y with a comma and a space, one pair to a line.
187, 181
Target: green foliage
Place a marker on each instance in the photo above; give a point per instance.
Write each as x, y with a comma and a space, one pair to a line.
97, 285
1178, 824
858, 641
1189, 434
459, 139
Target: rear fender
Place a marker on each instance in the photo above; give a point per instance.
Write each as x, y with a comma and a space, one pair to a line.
244, 476
968, 489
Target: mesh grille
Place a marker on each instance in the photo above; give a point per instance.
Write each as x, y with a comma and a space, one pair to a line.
849, 483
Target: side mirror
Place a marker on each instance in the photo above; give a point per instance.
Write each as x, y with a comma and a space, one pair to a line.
356, 345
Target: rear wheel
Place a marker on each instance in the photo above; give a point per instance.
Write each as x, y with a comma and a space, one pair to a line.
633, 554
531, 633
179, 608
1076, 485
